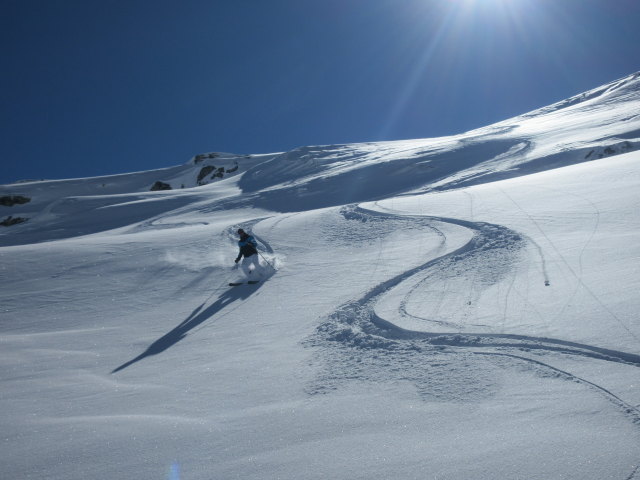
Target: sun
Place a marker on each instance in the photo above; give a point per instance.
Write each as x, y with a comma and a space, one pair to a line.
496, 8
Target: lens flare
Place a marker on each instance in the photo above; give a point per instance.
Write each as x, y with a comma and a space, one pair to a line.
174, 474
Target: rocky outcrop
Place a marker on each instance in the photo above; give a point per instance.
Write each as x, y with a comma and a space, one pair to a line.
160, 186
204, 171
622, 147
215, 172
9, 221
11, 200
203, 156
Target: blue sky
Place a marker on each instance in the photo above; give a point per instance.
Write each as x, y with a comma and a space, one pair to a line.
110, 86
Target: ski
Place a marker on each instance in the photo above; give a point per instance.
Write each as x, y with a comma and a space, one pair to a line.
250, 282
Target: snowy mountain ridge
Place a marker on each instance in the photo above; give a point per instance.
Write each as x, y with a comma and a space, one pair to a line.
445, 308
313, 177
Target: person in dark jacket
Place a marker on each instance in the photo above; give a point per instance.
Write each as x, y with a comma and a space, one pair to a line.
248, 249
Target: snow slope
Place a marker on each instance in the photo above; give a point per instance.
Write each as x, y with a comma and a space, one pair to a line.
460, 307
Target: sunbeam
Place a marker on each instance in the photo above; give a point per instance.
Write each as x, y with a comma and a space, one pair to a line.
417, 73
470, 57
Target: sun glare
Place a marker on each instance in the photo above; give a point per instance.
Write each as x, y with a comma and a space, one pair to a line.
498, 9
463, 41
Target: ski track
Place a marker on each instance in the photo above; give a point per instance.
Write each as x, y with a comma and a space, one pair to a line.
633, 474
576, 275
358, 345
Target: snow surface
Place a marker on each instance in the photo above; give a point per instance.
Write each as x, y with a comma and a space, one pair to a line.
450, 308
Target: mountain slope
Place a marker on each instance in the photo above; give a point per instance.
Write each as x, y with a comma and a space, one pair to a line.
594, 125
461, 307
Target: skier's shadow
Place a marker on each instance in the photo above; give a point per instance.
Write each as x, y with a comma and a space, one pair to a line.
197, 317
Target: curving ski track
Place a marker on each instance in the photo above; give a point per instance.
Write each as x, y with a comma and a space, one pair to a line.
362, 346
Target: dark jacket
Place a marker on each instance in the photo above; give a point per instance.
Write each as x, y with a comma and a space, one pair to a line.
247, 246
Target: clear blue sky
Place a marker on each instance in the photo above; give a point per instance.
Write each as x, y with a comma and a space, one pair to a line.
95, 87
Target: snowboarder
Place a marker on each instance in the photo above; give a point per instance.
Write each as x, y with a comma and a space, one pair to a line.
248, 250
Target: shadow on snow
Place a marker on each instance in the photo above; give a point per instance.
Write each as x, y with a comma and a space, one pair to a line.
197, 317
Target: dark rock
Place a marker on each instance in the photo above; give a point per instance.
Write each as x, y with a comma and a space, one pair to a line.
160, 186
11, 200
7, 222
204, 171
202, 156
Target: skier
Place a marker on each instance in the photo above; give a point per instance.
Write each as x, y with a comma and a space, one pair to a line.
249, 251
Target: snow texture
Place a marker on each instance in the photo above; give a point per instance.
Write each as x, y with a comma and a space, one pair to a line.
446, 308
